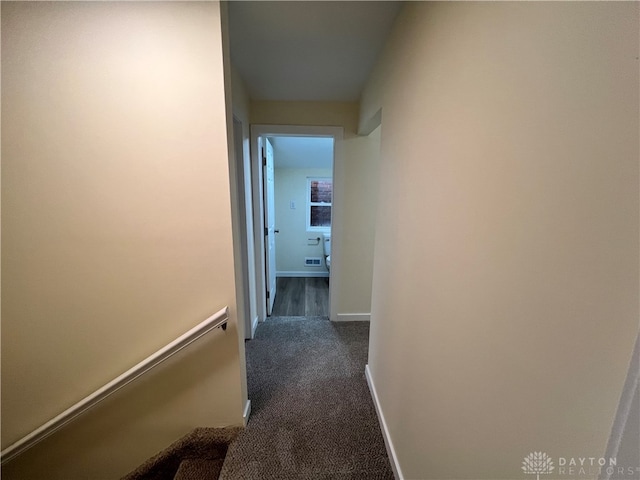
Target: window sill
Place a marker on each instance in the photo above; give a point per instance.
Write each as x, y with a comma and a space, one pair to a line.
318, 229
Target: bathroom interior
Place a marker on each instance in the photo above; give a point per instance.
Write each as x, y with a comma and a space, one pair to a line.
303, 186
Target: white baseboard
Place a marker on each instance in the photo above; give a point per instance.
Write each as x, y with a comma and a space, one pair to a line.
303, 274
246, 413
254, 325
353, 317
395, 465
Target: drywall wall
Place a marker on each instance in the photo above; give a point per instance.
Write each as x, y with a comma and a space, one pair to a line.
241, 247
339, 114
360, 210
241, 115
293, 242
116, 227
347, 224
505, 289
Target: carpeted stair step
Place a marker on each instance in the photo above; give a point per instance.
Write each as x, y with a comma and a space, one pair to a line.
199, 469
201, 450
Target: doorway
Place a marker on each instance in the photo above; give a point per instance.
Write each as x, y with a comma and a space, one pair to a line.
302, 297
294, 204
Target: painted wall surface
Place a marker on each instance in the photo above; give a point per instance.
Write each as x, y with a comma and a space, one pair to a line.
509, 216
237, 196
240, 106
360, 211
116, 228
343, 293
292, 243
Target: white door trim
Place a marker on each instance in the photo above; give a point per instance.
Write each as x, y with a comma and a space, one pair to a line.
258, 131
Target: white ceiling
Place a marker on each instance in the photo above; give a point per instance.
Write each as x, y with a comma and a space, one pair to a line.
307, 50
302, 152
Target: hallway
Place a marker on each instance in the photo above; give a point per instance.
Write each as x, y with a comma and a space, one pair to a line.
312, 415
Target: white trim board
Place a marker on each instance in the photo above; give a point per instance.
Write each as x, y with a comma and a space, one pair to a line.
395, 465
254, 325
302, 274
353, 317
246, 413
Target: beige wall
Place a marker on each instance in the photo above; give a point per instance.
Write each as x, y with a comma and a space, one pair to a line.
360, 210
509, 217
349, 226
237, 193
242, 168
292, 243
116, 228
339, 114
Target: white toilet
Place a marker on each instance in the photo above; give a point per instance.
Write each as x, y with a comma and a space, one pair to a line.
326, 246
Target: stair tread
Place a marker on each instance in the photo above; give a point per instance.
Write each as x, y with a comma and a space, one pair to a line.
199, 469
208, 443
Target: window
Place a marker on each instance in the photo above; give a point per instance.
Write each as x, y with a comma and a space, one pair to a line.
319, 194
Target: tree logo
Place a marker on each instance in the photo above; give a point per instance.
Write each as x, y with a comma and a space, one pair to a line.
537, 463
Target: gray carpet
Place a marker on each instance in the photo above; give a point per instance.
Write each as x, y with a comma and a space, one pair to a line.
312, 415
198, 455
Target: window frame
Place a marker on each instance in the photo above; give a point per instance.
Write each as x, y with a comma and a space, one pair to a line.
309, 204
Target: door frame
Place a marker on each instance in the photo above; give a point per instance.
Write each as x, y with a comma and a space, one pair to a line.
257, 184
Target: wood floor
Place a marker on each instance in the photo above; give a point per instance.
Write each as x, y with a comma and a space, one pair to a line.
296, 296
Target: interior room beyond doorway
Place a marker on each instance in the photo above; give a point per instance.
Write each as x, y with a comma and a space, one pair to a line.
299, 176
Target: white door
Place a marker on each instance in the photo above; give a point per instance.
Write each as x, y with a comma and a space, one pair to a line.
269, 222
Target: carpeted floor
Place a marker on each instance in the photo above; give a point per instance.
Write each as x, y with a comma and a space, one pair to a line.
312, 415
198, 455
